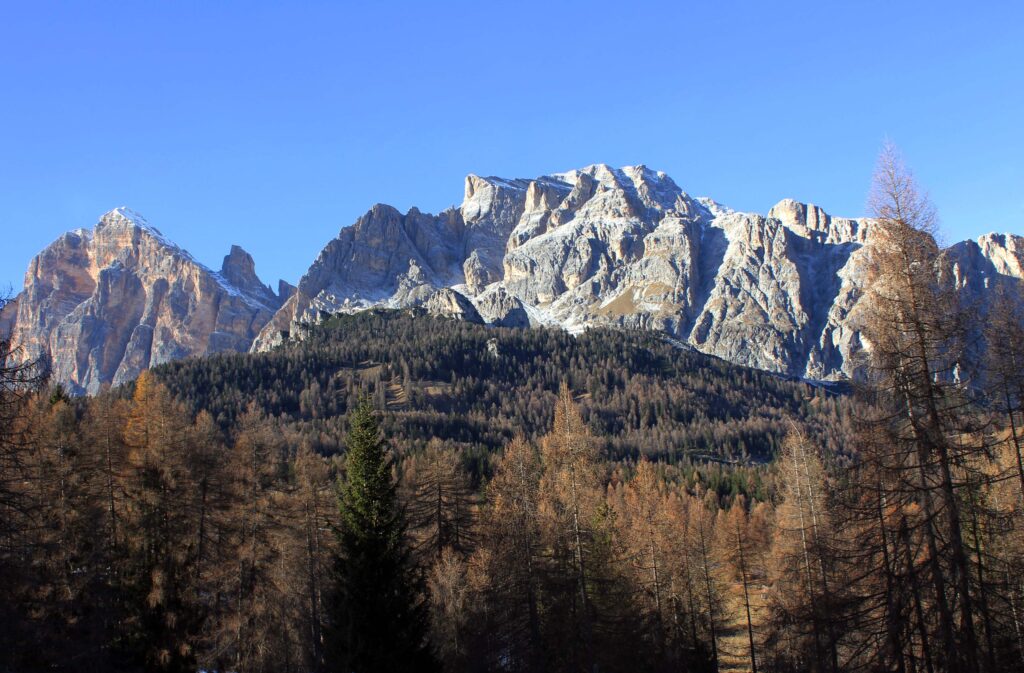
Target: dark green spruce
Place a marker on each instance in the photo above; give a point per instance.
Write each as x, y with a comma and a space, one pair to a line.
378, 618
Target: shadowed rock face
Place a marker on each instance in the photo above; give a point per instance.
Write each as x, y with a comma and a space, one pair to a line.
8, 314
104, 304
628, 247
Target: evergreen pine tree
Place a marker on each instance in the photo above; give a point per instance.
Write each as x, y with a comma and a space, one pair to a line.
378, 618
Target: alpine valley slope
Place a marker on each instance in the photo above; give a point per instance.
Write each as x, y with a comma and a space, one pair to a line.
102, 305
627, 247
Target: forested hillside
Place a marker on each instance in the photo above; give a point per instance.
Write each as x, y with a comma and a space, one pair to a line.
477, 386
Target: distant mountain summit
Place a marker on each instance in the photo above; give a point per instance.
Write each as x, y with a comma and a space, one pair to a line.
595, 246
103, 304
627, 247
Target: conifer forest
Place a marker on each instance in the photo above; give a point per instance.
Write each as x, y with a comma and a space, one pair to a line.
396, 491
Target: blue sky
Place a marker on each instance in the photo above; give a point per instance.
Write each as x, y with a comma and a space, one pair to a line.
275, 124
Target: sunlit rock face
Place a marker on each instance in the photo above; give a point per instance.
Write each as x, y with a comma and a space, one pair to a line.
103, 304
627, 247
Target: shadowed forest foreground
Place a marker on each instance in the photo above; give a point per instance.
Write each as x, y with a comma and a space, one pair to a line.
168, 528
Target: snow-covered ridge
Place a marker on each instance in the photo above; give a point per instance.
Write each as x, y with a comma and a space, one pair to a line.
127, 216
714, 207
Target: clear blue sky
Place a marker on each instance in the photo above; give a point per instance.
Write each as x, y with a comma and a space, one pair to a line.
275, 124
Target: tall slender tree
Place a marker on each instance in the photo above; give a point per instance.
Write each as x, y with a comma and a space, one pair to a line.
378, 616
801, 569
438, 501
926, 446
511, 556
569, 498
161, 524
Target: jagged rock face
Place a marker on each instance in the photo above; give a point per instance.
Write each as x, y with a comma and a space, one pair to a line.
239, 270
384, 253
628, 247
395, 260
982, 265
285, 290
490, 209
104, 304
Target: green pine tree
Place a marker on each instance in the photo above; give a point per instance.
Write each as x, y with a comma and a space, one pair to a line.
378, 617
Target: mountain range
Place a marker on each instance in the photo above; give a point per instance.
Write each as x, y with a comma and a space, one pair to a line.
596, 246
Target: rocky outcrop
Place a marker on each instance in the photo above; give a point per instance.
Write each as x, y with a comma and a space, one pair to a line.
239, 271
497, 306
285, 290
104, 304
627, 247
451, 304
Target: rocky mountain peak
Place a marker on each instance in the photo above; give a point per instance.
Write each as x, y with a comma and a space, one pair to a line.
124, 216
123, 221
793, 214
104, 304
238, 266
239, 270
810, 221
285, 290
